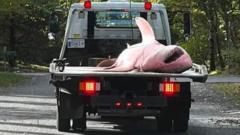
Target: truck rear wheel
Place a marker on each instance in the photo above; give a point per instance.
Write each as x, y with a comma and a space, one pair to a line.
180, 122
180, 125
173, 120
63, 124
164, 123
80, 124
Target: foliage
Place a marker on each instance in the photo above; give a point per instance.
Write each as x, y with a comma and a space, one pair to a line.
232, 57
9, 79
24, 28
197, 47
29, 20
214, 27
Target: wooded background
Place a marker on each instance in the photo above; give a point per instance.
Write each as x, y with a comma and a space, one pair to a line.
214, 41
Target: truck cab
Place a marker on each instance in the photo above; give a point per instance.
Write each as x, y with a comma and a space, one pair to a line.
96, 31
104, 29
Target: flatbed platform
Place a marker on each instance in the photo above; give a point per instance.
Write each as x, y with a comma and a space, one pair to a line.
197, 73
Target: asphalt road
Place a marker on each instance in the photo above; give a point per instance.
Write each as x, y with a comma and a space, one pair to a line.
30, 109
219, 79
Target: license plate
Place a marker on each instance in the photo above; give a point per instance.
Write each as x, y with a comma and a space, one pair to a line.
76, 43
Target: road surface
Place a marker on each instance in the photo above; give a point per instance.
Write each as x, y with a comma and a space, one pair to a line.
224, 79
30, 109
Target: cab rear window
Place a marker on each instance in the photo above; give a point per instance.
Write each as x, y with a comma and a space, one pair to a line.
116, 19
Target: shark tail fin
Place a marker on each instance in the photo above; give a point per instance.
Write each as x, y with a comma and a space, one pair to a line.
145, 29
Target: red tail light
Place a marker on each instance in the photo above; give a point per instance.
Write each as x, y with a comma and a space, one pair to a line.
148, 5
129, 104
170, 88
139, 104
118, 105
89, 86
87, 4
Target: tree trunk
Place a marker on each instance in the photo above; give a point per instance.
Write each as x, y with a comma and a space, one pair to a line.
212, 35
239, 4
220, 57
12, 42
218, 42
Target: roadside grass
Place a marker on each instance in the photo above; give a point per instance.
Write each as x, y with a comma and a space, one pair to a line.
21, 66
11, 79
34, 67
229, 89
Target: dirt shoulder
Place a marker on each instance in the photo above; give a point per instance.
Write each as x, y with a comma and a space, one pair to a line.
227, 94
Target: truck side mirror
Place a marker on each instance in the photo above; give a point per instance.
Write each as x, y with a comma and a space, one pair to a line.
53, 26
187, 25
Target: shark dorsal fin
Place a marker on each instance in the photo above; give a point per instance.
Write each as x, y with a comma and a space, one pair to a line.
145, 29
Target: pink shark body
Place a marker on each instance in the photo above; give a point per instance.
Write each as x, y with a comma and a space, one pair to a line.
150, 55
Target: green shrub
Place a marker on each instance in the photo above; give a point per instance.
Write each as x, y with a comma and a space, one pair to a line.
11, 79
198, 49
232, 58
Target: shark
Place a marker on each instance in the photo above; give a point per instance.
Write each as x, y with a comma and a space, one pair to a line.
149, 55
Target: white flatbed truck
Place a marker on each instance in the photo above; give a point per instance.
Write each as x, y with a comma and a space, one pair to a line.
100, 30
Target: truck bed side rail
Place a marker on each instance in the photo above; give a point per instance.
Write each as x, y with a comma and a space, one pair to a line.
198, 73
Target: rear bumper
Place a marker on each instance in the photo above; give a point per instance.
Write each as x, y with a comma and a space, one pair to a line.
128, 112
105, 105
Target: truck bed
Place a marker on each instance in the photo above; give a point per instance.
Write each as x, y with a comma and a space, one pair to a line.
197, 73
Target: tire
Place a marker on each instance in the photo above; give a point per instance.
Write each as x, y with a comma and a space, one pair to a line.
164, 123
80, 124
63, 124
180, 123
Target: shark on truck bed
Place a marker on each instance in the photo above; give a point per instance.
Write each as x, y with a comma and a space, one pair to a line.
149, 55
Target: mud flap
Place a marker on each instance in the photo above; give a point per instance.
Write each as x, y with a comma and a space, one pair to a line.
68, 106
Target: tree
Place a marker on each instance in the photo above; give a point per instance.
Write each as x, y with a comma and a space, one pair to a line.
25, 28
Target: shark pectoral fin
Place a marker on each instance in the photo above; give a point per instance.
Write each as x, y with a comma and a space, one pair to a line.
145, 29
